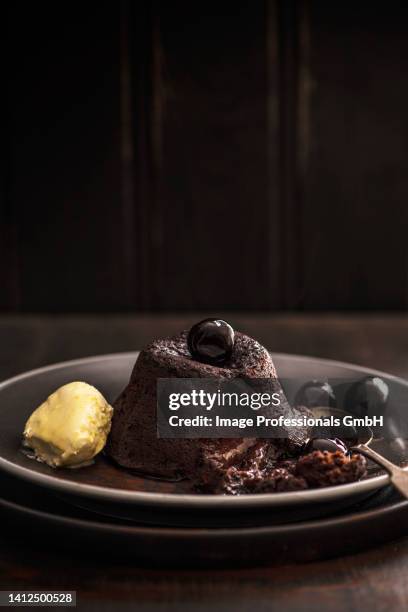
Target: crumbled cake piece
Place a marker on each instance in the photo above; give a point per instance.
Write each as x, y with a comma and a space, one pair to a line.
324, 469
264, 472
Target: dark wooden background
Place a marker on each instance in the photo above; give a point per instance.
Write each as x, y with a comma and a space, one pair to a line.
205, 155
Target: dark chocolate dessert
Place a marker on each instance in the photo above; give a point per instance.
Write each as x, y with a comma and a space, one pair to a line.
313, 470
233, 466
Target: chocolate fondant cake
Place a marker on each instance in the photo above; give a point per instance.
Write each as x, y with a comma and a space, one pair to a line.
133, 441
233, 466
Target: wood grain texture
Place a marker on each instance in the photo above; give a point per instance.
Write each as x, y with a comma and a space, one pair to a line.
369, 581
9, 261
290, 220
66, 188
211, 156
376, 341
355, 187
374, 580
195, 156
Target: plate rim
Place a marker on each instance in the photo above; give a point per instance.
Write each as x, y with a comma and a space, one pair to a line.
324, 494
204, 532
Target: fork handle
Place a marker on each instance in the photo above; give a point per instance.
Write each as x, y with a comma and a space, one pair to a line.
398, 476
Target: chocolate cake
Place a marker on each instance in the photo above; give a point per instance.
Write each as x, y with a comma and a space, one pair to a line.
228, 466
312, 470
133, 441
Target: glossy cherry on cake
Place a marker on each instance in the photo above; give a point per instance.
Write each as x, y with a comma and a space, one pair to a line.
211, 341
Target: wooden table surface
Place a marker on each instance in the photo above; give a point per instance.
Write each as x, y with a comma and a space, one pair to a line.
374, 580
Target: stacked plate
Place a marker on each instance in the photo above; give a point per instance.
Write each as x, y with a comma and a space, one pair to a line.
156, 522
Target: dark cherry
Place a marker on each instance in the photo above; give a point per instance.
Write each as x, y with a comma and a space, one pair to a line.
211, 341
367, 397
315, 393
325, 444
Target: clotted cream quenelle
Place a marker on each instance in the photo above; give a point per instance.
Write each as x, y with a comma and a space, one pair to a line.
70, 427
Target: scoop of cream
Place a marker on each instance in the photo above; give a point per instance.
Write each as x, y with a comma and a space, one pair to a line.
70, 427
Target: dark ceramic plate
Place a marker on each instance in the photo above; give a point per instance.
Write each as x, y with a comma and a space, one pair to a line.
42, 520
104, 487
